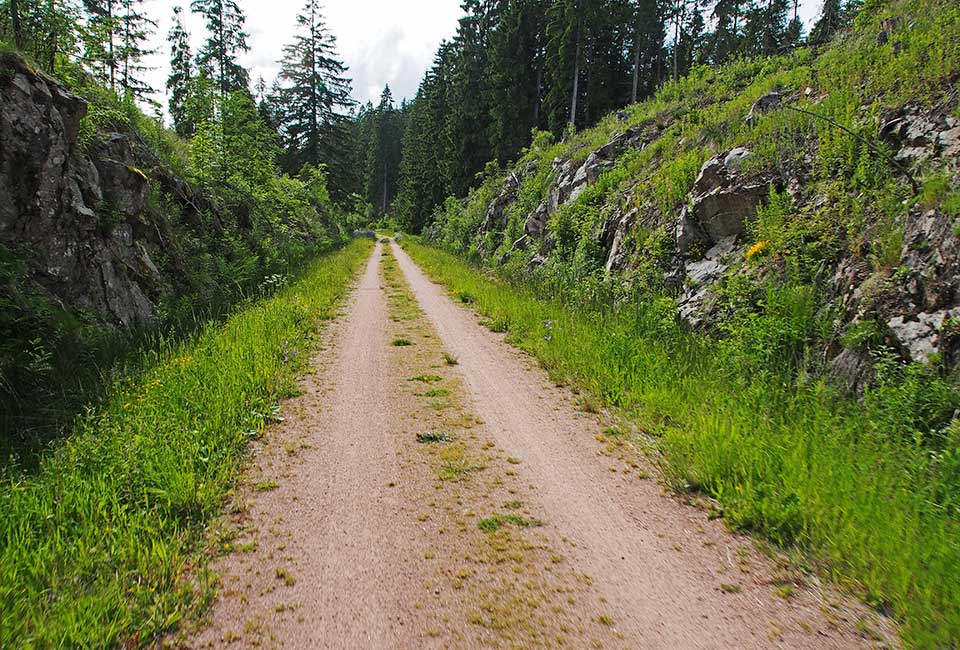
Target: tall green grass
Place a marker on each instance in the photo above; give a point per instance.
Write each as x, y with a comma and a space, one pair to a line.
105, 544
871, 489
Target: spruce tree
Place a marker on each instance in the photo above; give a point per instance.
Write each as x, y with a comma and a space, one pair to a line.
101, 39
648, 27
135, 29
116, 33
181, 72
516, 76
226, 40
564, 46
383, 159
830, 21
314, 97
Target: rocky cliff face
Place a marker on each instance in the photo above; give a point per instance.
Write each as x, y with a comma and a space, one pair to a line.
916, 299
77, 213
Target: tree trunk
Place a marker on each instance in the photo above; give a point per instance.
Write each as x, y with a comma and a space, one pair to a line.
15, 23
110, 56
52, 42
677, 20
576, 72
636, 66
539, 98
383, 209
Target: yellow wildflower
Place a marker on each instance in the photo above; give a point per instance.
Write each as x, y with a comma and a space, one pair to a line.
758, 249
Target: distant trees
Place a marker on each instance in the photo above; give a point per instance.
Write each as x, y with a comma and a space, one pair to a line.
513, 67
519, 65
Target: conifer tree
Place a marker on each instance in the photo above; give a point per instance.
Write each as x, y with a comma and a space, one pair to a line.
516, 76
135, 30
116, 33
226, 40
648, 35
383, 159
313, 98
564, 43
101, 39
830, 21
181, 72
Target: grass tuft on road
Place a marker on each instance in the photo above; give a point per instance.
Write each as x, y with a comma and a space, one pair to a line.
854, 483
106, 545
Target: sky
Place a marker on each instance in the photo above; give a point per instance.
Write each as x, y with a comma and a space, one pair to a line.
381, 41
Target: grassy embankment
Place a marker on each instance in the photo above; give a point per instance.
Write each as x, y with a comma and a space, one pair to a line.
798, 464
106, 543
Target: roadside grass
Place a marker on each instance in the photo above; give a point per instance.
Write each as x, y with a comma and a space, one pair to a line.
106, 544
860, 486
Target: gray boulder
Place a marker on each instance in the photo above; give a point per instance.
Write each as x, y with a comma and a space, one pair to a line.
721, 203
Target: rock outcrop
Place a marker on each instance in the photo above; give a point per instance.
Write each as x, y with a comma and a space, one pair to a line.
75, 211
915, 304
721, 203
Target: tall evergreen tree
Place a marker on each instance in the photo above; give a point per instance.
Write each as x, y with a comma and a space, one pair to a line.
181, 72
766, 27
313, 98
830, 21
648, 35
383, 159
516, 76
726, 39
101, 39
115, 36
226, 40
564, 43
467, 123
135, 30
424, 182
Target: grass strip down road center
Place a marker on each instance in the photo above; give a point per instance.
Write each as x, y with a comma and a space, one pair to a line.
106, 543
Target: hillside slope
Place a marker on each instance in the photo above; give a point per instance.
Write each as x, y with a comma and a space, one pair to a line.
721, 183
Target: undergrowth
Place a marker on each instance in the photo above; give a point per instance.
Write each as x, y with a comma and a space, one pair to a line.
104, 545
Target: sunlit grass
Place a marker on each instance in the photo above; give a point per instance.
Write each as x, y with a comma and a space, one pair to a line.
105, 544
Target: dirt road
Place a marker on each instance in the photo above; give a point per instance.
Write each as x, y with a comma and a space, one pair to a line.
432, 488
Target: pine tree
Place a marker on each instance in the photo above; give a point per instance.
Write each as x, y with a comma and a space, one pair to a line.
467, 124
135, 29
829, 23
181, 72
16, 22
648, 35
43, 28
225, 42
564, 45
383, 159
516, 76
101, 39
313, 98
424, 181
794, 34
